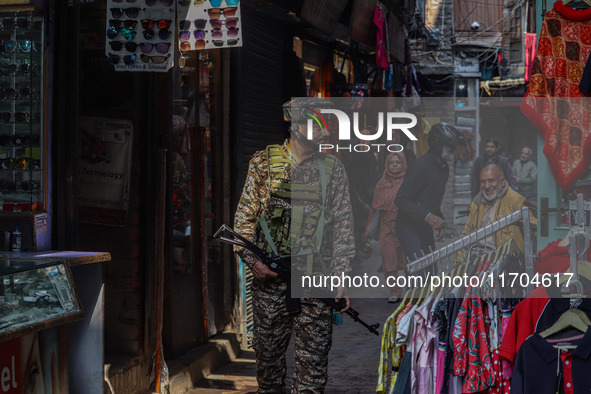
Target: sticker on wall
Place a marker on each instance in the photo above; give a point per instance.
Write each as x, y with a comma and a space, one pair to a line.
208, 24
140, 35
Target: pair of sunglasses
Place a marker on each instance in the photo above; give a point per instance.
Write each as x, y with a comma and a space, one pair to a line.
127, 59
230, 42
130, 46
166, 3
146, 47
131, 12
163, 34
16, 46
24, 68
199, 24
215, 13
26, 186
20, 163
121, 1
16, 117
229, 22
13, 94
153, 59
161, 47
186, 45
162, 23
19, 139
229, 3
128, 23
218, 33
128, 34
18, 23
185, 35
185, 3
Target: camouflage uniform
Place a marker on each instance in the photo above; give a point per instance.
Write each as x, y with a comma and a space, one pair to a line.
272, 324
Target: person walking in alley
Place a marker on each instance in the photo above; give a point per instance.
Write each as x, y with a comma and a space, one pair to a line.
420, 195
491, 156
526, 174
383, 204
295, 202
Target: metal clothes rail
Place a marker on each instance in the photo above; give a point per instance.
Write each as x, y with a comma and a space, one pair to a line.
452, 248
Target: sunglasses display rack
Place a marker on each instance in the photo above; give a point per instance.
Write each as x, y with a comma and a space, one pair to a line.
140, 35
209, 24
21, 111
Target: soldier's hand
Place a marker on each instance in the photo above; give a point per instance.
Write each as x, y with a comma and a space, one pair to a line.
342, 293
435, 221
262, 272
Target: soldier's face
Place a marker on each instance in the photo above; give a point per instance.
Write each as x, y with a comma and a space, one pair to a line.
319, 135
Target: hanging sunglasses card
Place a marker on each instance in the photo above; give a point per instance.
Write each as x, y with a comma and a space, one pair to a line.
140, 35
208, 24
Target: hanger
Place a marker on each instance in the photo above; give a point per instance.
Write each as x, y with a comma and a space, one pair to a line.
569, 319
574, 230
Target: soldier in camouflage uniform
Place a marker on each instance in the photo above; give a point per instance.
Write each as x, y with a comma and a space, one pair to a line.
297, 162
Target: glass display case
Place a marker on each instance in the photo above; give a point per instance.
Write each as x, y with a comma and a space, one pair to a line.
35, 295
21, 112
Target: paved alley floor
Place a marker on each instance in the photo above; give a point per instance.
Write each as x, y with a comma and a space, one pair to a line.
353, 359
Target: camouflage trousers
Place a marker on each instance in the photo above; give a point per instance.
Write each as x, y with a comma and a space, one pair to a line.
272, 331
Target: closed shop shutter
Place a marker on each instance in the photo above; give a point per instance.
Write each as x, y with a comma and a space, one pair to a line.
260, 66
258, 93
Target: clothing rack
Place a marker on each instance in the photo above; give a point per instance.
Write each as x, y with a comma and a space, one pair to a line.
452, 248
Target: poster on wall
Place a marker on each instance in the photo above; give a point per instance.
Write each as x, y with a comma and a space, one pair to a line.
140, 35
30, 364
209, 24
104, 165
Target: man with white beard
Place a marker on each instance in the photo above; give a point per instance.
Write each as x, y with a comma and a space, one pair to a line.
494, 201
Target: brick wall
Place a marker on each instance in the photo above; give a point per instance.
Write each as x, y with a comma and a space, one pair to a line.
436, 59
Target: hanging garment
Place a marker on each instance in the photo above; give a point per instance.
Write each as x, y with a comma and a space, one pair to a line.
423, 339
530, 54
522, 323
389, 346
563, 49
540, 368
472, 358
382, 59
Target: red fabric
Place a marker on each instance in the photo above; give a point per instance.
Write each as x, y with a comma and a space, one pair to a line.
563, 49
554, 258
523, 322
381, 49
530, 54
567, 364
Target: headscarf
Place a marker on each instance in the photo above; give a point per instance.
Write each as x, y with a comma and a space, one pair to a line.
387, 187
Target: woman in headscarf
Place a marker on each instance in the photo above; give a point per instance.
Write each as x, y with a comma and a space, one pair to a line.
383, 200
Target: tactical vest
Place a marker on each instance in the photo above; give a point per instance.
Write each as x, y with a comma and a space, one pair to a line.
292, 227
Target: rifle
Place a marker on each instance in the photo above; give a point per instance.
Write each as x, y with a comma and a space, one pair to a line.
282, 266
